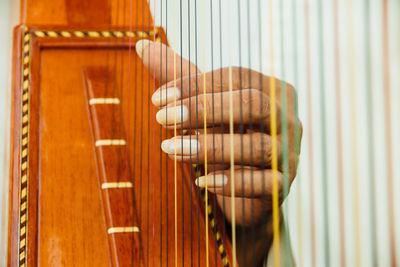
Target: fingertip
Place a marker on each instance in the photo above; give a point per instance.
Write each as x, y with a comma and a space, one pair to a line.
141, 45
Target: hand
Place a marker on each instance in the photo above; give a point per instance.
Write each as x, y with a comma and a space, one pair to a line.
252, 140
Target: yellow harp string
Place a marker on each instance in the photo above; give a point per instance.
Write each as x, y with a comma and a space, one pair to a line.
232, 159
274, 144
175, 152
205, 132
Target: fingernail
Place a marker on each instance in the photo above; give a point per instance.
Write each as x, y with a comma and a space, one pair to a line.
140, 45
181, 146
217, 180
168, 115
164, 96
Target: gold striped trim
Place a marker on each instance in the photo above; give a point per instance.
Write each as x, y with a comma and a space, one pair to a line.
25, 85
79, 34
23, 193
27, 37
130, 229
111, 142
65, 34
39, 34
52, 34
26, 48
142, 34
130, 34
118, 34
93, 34
95, 101
96, 34
106, 34
22, 231
24, 166
117, 185
22, 243
25, 119
24, 141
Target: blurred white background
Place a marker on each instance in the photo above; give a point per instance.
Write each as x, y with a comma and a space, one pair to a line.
9, 16
257, 57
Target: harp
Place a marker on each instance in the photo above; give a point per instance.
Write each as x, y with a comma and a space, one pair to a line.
91, 186
76, 149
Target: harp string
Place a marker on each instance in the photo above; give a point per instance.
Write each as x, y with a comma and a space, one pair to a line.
310, 131
213, 121
190, 140
181, 103
222, 116
160, 150
166, 136
274, 145
339, 137
285, 138
371, 129
388, 130
151, 139
323, 133
261, 122
141, 108
297, 134
175, 152
134, 132
252, 229
130, 24
197, 135
354, 133
243, 229
205, 133
231, 144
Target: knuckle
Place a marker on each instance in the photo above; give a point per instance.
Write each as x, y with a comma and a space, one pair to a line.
262, 149
258, 101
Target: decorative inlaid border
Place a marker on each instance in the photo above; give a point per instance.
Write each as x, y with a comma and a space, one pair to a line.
25, 119
98, 34
220, 246
24, 146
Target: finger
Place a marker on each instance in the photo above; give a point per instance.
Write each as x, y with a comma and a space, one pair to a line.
248, 211
250, 107
246, 182
248, 149
159, 59
219, 81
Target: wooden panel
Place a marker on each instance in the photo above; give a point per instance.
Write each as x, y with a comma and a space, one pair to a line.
86, 14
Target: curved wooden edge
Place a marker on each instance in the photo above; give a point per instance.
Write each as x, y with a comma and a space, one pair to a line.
14, 147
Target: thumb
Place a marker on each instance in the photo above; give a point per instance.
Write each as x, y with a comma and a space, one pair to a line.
159, 60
